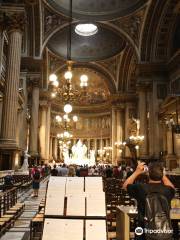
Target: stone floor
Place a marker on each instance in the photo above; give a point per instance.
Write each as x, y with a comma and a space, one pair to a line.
21, 228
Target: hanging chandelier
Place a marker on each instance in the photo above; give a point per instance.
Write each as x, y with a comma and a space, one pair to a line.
67, 93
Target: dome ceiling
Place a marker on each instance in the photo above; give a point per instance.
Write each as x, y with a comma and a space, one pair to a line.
97, 9
104, 44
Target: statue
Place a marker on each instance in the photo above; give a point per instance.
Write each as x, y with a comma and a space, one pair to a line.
24, 167
79, 151
92, 158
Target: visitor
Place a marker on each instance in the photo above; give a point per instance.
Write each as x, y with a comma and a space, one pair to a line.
72, 171
8, 181
64, 171
108, 172
115, 172
54, 171
36, 181
158, 184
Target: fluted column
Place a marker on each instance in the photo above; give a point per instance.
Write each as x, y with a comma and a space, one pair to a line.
127, 125
9, 120
42, 133
143, 121
119, 129
54, 148
113, 135
48, 127
1, 47
50, 148
34, 120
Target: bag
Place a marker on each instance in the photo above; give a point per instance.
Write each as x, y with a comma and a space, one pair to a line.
157, 217
36, 175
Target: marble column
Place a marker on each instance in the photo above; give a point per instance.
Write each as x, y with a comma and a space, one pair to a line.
154, 139
1, 107
113, 135
54, 148
50, 148
171, 158
10, 101
34, 120
119, 129
127, 125
143, 122
48, 127
1, 47
42, 133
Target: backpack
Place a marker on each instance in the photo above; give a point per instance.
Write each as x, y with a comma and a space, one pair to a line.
36, 175
157, 217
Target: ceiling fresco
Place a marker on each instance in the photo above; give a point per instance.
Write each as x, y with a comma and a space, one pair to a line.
104, 44
97, 10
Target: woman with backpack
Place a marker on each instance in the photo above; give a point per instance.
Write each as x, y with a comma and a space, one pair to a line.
36, 181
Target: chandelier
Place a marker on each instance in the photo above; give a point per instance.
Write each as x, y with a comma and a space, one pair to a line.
67, 93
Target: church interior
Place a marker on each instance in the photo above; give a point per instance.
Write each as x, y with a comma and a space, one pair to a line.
88, 84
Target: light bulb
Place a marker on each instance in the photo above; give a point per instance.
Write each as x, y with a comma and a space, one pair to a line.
68, 108
75, 118
65, 116
84, 78
55, 83
68, 75
53, 78
53, 94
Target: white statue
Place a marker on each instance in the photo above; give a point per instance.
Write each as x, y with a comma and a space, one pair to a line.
79, 151
25, 165
92, 158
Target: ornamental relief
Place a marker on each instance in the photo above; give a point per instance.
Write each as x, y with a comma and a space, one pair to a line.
132, 25
51, 21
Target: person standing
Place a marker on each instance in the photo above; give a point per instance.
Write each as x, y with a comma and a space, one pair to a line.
36, 181
153, 201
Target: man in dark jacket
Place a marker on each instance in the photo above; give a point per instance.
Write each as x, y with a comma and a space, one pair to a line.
158, 182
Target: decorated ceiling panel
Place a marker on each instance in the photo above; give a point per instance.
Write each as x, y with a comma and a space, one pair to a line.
104, 44
97, 9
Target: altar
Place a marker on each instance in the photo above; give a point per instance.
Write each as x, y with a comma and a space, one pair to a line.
79, 155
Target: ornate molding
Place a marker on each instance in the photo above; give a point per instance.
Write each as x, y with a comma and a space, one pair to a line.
51, 21
111, 65
132, 25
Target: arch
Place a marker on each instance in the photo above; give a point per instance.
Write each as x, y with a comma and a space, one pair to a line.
126, 69
100, 70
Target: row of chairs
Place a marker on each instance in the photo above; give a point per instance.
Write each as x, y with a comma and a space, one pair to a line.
115, 196
36, 226
19, 181
10, 210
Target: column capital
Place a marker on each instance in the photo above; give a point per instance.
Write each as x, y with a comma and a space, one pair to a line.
14, 21
34, 82
144, 85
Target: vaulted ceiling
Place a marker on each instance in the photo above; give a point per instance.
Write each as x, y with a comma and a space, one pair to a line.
130, 34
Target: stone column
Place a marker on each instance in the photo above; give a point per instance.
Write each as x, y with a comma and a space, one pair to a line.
95, 145
143, 122
154, 142
127, 125
1, 107
119, 129
50, 148
34, 120
42, 133
113, 135
48, 128
1, 48
10, 104
54, 148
